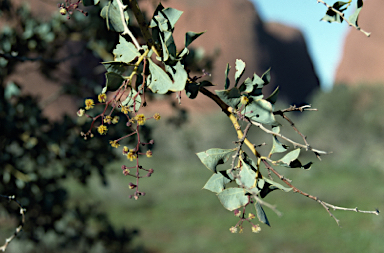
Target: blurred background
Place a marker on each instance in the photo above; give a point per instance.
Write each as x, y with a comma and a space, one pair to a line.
74, 192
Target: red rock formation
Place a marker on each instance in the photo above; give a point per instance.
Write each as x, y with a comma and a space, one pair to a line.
362, 60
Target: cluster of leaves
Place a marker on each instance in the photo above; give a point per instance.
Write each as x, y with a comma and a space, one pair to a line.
133, 72
335, 13
162, 71
248, 103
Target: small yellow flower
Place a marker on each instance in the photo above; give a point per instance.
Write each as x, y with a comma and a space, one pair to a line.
256, 229
102, 97
240, 229
63, 11
233, 230
140, 118
114, 144
156, 116
125, 109
244, 100
115, 119
89, 103
131, 155
125, 150
107, 119
102, 129
251, 216
148, 153
80, 112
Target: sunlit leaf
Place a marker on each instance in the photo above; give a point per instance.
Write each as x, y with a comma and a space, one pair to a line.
247, 176
125, 51
240, 67
233, 198
355, 15
260, 110
215, 156
158, 80
179, 76
112, 16
332, 16
216, 183
277, 146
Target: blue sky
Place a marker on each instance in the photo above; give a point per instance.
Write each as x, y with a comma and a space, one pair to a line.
324, 40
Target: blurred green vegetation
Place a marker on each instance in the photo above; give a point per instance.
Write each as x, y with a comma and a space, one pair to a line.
176, 215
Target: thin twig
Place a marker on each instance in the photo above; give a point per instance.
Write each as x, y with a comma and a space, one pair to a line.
344, 18
326, 205
296, 144
294, 108
126, 29
19, 228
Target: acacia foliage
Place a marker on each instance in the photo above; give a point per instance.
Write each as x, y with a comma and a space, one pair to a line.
157, 66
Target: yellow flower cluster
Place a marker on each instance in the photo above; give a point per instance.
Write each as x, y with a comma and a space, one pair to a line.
140, 118
114, 144
256, 229
125, 109
89, 104
102, 97
107, 119
131, 155
115, 120
102, 129
156, 116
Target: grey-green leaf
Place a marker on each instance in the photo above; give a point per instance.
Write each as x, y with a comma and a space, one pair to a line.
230, 97
158, 80
277, 185
273, 97
240, 67
277, 146
216, 183
215, 156
233, 198
332, 16
260, 110
261, 214
288, 158
354, 17
190, 37
247, 176
179, 76
125, 51
133, 100
111, 14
